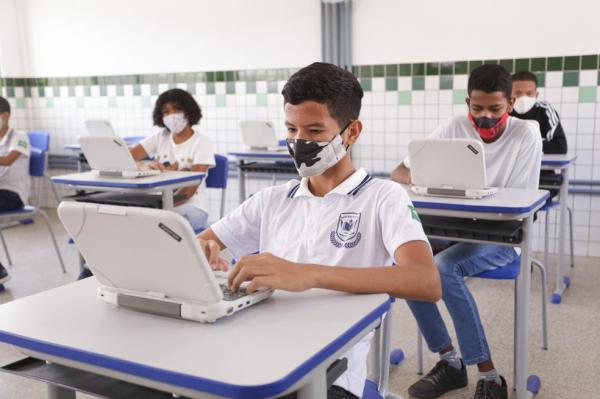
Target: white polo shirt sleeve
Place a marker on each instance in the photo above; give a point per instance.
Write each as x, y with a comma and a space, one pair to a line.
240, 230
20, 144
204, 152
399, 220
150, 144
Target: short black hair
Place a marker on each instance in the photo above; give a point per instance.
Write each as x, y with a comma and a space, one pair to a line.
326, 84
490, 78
183, 101
4, 105
525, 76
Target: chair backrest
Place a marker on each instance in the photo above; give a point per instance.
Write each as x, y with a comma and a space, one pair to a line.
217, 176
40, 140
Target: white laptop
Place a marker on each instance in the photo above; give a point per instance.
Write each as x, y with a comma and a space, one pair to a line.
149, 260
260, 135
99, 127
448, 168
109, 156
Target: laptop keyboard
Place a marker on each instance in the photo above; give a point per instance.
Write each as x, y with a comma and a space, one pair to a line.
228, 295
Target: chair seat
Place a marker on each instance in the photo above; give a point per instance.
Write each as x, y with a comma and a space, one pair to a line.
27, 209
508, 272
548, 206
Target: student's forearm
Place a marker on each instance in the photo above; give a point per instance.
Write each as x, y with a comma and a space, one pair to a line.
209, 235
401, 174
6, 161
418, 282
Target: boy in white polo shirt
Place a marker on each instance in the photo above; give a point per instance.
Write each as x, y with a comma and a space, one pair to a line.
513, 156
338, 228
14, 168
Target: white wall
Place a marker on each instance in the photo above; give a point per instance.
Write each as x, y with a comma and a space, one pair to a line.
12, 58
103, 37
397, 31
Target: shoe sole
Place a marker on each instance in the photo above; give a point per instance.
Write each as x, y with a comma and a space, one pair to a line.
4, 279
419, 395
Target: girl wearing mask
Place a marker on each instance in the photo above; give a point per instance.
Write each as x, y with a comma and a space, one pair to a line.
179, 148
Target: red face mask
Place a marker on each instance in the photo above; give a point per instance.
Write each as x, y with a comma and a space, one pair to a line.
489, 128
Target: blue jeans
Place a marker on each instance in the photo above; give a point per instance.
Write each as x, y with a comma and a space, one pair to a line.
454, 264
197, 217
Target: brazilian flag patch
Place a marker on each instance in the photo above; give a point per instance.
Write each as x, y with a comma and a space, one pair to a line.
413, 213
22, 143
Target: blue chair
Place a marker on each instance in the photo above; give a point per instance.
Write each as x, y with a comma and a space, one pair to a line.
556, 298
509, 272
38, 163
217, 178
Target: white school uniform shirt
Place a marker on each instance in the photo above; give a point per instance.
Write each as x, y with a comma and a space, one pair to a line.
360, 223
514, 160
16, 176
197, 150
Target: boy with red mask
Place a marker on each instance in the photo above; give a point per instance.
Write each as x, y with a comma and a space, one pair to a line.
513, 154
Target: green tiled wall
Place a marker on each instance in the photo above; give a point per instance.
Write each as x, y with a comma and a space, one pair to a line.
417, 73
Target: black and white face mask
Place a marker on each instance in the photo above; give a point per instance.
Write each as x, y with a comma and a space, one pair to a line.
312, 158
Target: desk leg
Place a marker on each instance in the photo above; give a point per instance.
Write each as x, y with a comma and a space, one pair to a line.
57, 392
167, 199
525, 387
562, 281
241, 182
316, 388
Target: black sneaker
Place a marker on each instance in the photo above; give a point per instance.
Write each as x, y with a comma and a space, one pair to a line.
4, 277
491, 390
441, 379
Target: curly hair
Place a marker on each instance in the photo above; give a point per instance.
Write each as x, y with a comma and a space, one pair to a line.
181, 100
4, 105
326, 84
490, 78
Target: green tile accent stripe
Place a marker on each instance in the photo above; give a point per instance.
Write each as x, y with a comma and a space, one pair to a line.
50, 87
588, 94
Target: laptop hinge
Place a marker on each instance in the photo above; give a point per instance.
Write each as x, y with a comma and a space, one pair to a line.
148, 305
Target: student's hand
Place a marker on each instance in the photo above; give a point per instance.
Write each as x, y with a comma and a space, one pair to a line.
211, 250
268, 270
155, 165
174, 166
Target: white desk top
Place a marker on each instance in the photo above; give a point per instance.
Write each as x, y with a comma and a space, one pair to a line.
275, 342
88, 179
507, 203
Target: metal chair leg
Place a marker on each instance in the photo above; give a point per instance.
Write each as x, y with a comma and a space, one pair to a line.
419, 352
544, 277
223, 199
60, 259
570, 211
546, 238
56, 197
5, 248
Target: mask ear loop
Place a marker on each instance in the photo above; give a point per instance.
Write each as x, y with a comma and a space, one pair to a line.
342, 132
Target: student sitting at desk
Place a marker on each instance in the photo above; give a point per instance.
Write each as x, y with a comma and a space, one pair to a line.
14, 168
179, 147
527, 106
338, 228
513, 155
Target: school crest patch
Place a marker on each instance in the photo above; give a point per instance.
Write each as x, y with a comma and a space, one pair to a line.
346, 233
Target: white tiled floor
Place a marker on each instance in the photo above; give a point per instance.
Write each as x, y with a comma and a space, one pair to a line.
568, 369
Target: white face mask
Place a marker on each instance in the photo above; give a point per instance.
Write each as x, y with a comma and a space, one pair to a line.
175, 122
523, 104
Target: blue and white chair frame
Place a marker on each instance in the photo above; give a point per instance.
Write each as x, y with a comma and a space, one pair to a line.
556, 298
26, 213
